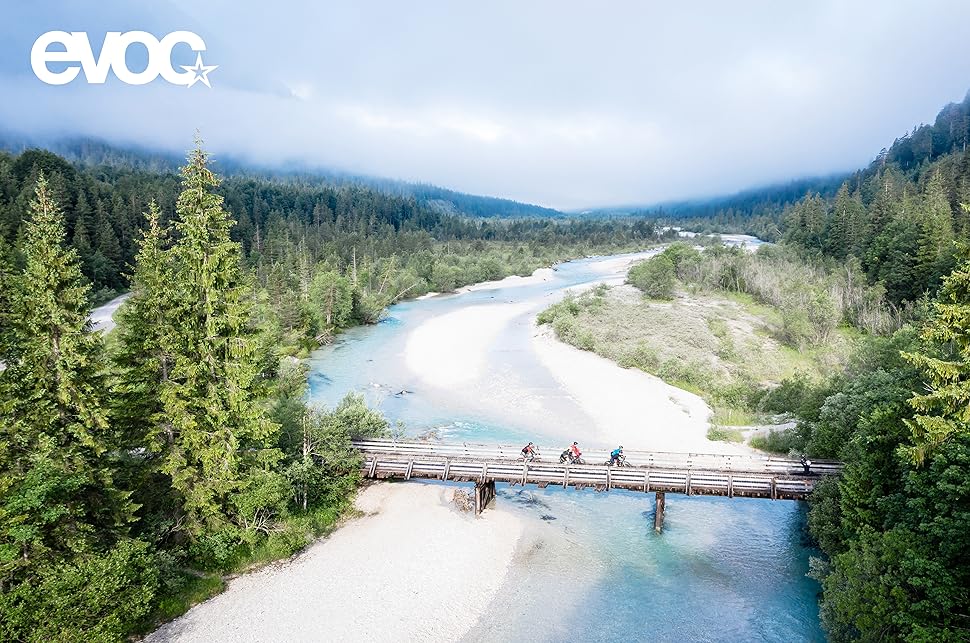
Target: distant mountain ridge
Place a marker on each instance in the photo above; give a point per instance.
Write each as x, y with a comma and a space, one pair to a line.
752, 200
92, 152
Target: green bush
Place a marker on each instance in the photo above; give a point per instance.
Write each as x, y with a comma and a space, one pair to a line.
796, 396
583, 340
655, 277
214, 551
693, 374
568, 307
781, 441
683, 256
642, 357
563, 327
261, 502
96, 597
796, 327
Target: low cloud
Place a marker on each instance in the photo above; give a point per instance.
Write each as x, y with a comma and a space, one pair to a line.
560, 103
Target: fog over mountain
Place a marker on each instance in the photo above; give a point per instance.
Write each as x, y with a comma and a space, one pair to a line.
564, 104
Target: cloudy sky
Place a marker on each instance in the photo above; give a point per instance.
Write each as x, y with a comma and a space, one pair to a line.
565, 103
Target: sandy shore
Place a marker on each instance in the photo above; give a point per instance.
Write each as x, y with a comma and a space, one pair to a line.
621, 263
537, 277
414, 569
451, 349
628, 406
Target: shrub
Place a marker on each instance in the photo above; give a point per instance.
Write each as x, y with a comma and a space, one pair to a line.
796, 395
568, 307
781, 441
796, 327
96, 597
684, 257
655, 277
583, 340
213, 552
643, 357
681, 373
284, 542
261, 502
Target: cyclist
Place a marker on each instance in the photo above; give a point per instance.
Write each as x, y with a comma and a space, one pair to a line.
575, 455
530, 452
616, 456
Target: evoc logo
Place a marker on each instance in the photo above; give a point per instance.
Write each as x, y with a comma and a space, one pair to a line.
77, 50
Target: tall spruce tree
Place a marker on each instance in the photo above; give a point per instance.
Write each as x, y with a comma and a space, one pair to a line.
219, 429
885, 203
142, 363
106, 260
839, 232
936, 230
57, 496
944, 411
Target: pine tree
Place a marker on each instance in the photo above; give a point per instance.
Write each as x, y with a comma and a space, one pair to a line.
858, 225
806, 222
56, 492
838, 235
885, 206
108, 249
83, 215
944, 411
218, 427
936, 230
81, 242
142, 363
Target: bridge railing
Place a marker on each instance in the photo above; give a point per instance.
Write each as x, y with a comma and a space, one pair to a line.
637, 458
601, 477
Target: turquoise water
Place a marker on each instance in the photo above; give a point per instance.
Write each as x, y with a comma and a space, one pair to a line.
590, 567
723, 570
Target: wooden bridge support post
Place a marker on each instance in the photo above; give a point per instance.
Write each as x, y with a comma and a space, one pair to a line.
484, 493
658, 518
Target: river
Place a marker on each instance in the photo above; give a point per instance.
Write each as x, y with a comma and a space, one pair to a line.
590, 567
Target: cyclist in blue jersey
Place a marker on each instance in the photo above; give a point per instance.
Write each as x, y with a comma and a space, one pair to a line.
616, 456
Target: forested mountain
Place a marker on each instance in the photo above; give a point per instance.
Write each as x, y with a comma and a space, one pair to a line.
754, 211
453, 202
91, 153
105, 192
899, 217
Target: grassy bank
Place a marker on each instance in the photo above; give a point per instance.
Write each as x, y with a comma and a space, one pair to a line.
727, 348
746, 331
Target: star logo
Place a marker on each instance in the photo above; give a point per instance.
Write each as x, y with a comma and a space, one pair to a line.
201, 71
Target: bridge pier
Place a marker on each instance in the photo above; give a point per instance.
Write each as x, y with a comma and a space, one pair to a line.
484, 494
658, 517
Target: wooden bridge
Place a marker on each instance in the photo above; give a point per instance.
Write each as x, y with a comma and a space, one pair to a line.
732, 476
